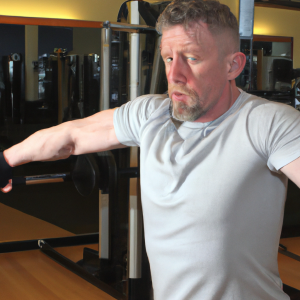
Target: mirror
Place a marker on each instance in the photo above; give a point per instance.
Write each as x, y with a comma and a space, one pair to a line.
50, 75
41, 68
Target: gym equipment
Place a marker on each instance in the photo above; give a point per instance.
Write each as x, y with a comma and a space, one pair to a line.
85, 175
108, 268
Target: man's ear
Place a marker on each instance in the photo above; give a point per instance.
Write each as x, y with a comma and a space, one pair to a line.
237, 64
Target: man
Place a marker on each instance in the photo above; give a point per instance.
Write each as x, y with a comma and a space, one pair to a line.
214, 162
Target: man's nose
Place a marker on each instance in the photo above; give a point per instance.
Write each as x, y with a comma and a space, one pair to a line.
177, 72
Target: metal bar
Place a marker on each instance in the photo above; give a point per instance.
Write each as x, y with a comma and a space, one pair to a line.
104, 249
132, 172
134, 53
62, 176
26, 245
135, 238
134, 65
246, 18
278, 4
135, 212
251, 65
42, 181
105, 91
69, 23
59, 86
49, 22
289, 254
51, 178
76, 269
156, 68
115, 26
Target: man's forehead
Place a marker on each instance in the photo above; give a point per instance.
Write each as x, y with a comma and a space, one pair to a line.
191, 29
195, 34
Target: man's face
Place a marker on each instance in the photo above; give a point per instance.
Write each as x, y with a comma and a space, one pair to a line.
196, 72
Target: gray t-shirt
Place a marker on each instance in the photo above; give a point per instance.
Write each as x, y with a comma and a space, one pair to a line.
213, 196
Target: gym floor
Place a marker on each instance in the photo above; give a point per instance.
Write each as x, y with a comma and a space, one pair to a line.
33, 275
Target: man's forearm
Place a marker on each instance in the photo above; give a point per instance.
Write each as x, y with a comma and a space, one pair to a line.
47, 144
92, 134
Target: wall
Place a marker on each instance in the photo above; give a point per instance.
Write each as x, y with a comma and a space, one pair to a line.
279, 22
233, 5
274, 22
93, 10
267, 21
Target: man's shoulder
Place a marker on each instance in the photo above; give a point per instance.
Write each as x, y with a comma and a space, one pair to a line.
253, 100
266, 113
258, 105
153, 99
151, 103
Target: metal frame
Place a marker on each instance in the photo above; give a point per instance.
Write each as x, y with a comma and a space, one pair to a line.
246, 13
290, 4
26, 245
78, 270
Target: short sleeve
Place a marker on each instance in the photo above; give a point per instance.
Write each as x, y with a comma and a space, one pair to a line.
130, 117
276, 133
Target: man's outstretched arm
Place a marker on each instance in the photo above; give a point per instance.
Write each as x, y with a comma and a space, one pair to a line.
292, 171
92, 134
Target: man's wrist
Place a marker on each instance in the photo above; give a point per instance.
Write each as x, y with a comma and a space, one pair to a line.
5, 171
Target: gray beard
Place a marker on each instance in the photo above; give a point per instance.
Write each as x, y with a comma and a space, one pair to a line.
189, 114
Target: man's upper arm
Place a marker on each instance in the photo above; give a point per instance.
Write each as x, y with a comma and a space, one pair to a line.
96, 133
292, 171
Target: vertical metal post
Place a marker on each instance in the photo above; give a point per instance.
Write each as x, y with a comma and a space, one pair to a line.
105, 94
105, 66
104, 225
246, 25
31, 54
251, 65
156, 68
134, 65
59, 86
135, 214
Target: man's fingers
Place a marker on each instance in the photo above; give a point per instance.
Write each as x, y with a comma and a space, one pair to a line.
7, 188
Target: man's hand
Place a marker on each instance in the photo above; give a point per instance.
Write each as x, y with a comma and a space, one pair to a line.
5, 174
7, 188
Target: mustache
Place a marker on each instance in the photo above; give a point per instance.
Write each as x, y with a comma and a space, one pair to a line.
181, 89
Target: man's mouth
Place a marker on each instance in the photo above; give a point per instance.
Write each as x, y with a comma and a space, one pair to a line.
178, 96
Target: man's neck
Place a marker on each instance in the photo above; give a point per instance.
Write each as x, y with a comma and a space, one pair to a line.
228, 98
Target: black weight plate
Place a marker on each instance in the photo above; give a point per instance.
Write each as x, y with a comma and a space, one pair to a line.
85, 174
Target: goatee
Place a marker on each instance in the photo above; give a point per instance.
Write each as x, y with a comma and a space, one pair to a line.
182, 111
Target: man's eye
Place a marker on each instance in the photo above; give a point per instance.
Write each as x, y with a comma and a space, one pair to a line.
169, 59
192, 58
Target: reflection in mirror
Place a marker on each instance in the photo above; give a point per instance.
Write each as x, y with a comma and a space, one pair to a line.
269, 69
272, 66
51, 75
12, 53
48, 75
243, 80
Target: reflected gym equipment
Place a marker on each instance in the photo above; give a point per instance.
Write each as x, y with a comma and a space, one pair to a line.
85, 175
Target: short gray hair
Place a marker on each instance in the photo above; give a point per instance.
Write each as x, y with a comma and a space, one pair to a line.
217, 16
